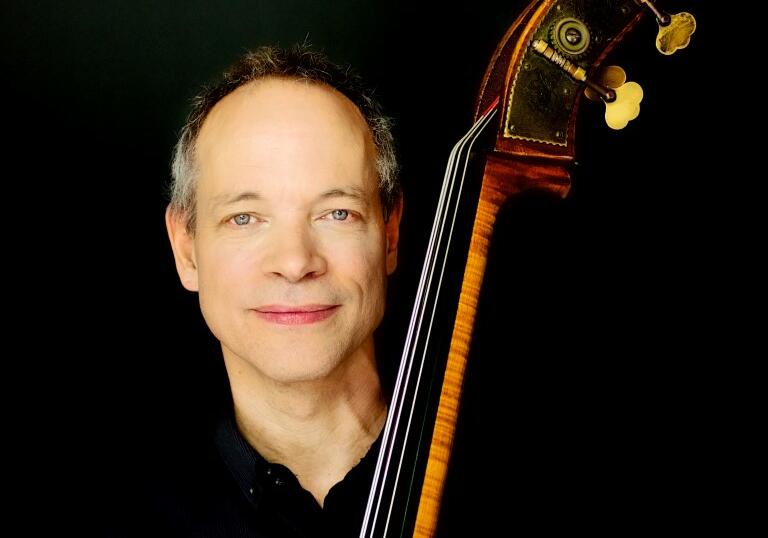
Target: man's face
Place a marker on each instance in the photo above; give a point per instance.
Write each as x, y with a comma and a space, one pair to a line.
291, 252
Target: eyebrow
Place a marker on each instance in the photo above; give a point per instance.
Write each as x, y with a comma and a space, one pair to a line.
354, 192
229, 199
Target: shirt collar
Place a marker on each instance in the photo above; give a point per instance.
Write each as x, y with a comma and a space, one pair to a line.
244, 463
254, 474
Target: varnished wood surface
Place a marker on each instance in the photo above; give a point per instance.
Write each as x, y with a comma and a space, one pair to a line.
502, 178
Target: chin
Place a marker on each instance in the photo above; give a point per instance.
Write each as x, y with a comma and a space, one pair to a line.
283, 363
294, 364
300, 373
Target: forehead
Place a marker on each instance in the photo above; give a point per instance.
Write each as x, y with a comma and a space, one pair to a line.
276, 131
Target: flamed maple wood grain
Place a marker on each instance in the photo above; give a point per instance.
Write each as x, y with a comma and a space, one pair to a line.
502, 179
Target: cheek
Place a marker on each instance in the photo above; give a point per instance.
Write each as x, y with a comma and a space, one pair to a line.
224, 270
364, 265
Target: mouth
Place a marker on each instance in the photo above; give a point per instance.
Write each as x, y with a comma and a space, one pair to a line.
295, 314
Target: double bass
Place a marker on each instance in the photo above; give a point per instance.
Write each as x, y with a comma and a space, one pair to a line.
522, 142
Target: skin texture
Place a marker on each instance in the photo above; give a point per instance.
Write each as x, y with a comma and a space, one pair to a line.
289, 214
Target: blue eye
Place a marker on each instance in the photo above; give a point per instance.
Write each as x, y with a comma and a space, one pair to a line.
339, 214
242, 220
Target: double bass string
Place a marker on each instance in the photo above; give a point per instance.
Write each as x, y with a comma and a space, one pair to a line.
465, 159
397, 399
459, 154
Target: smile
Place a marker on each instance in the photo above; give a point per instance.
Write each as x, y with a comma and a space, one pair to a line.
295, 315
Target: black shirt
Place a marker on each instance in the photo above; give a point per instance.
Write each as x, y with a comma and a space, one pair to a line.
231, 490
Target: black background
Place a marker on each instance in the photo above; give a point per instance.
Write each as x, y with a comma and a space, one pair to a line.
585, 409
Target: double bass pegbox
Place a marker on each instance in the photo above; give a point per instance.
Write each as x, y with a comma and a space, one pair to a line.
540, 99
622, 101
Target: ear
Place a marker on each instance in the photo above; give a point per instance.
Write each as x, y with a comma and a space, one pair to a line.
393, 234
183, 245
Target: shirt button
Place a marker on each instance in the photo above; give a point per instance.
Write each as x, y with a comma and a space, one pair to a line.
279, 482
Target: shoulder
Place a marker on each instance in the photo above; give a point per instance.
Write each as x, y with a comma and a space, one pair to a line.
182, 489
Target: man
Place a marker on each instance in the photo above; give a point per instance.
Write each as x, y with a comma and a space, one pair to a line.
284, 217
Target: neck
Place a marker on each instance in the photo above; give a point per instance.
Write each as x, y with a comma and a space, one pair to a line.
320, 428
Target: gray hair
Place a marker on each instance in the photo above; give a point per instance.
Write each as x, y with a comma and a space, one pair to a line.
297, 63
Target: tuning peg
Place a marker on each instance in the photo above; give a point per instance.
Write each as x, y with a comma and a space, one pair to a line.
674, 30
611, 76
624, 105
622, 102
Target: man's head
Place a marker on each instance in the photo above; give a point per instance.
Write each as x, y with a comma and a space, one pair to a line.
300, 64
291, 203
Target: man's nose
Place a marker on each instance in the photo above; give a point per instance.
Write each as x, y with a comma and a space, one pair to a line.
293, 254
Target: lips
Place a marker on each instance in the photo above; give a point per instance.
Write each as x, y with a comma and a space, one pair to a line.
295, 314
